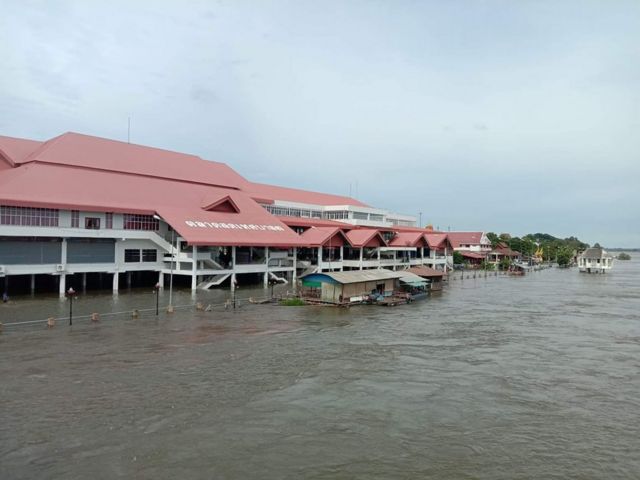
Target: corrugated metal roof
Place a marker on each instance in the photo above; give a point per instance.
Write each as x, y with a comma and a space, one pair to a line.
426, 272
411, 278
357, 276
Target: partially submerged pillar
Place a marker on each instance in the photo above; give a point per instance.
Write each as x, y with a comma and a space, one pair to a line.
62, 279
194, 269
115, 281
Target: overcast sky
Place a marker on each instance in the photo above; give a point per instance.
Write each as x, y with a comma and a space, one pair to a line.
506, 116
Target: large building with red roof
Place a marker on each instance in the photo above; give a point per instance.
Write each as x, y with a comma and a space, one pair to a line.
77, 205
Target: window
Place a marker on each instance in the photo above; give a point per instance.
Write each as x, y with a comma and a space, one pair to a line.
28, 217
374, 217
92, 223
338, 215
131, 255
149, 255
108, 220
140, 222
360, 216
75, 219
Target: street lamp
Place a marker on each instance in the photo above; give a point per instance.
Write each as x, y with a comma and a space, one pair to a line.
70, 293
157, 289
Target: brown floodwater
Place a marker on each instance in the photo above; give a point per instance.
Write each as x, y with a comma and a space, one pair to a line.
495, 378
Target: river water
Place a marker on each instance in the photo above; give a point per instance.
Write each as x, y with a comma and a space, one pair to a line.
496, 378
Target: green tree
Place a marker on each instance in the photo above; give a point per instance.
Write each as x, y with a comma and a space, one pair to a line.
505, 263
565, 256
494, 239
458, 259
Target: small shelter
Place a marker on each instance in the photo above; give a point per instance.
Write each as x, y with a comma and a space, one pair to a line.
433, 276
343, 288
414, 286
595, 260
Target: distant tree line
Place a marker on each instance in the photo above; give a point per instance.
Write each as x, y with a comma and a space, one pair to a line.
552, 248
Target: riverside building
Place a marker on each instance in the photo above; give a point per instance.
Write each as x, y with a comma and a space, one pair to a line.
79, 209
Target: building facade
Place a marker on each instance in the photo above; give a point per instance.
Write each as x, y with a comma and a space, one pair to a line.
76, 207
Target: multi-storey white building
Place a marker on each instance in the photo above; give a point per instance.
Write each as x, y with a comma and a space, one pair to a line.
76, 207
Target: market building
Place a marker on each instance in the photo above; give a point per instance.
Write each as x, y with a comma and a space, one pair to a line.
78, 208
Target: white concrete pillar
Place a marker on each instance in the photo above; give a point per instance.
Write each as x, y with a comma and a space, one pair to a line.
295, 265
378, 257
63, 253
341, 256
361, 256
33, 284
233, 257
128, 279
84, 281
233, 283
62, 286
161, 279
319, 258
266, 273
194, 269
116, 279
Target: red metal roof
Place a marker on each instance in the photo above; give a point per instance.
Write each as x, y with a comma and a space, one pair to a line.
324, 236
407, 239
472, 255
15, 150
426, 272
261, 191
365, 237
85, 151
435, 240
464, 238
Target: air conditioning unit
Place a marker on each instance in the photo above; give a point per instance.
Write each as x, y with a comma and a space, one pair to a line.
59, 268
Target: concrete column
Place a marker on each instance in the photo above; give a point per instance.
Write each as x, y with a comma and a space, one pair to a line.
319, 258
194, 269
62, 286
378, 256
84, 281
63, 252
161, 279
233, 283
233, 257
266, 273
116, 278
341, 256
395, 258
361, 256
33, 284
128, 279
295, 265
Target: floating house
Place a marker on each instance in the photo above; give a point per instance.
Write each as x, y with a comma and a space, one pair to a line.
595, 260
352, 287
432, 276
414, 286
76, 209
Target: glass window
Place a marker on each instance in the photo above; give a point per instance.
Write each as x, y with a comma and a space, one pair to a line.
108, 220
149, 255
140, 222
131, 255
75, 219
92, 223
360, 216
29, 217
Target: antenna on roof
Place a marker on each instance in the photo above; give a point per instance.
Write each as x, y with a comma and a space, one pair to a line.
128, 129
